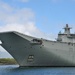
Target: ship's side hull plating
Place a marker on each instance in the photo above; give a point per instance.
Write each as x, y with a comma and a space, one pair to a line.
48, 53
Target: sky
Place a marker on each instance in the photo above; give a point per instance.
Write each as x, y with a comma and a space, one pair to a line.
38, 18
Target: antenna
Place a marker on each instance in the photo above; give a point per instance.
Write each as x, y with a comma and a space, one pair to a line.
67, 29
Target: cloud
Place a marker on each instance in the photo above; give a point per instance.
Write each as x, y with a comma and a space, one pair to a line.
17, 16
21, 20
28, 29
5, 7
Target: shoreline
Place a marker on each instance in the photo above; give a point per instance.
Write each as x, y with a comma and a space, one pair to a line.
7, 61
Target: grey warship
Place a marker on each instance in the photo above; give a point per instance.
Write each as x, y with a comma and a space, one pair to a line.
32, 51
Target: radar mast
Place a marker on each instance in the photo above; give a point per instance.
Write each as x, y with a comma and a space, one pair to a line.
67, 29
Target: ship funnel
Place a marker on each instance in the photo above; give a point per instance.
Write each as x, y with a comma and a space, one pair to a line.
67, 29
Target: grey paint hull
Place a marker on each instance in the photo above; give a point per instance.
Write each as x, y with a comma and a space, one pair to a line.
49, 53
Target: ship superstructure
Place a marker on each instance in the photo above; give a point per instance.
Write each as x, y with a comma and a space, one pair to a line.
66, 36
32, 51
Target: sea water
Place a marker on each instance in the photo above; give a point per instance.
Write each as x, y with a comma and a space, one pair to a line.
16, 70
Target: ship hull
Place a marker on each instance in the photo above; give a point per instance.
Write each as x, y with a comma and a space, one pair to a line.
28, 53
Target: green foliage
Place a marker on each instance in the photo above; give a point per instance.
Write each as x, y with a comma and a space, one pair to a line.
7, 61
